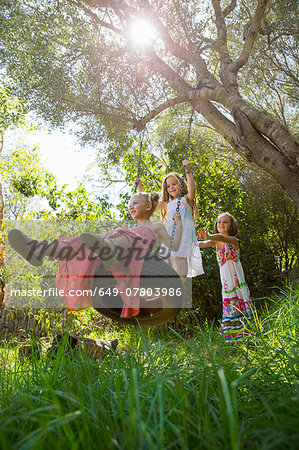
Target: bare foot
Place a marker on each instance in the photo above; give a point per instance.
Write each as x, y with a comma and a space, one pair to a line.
31, 249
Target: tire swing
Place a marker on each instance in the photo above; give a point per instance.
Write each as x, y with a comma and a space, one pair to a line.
157, 278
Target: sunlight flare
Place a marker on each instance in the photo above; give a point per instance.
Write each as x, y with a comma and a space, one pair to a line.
142, 32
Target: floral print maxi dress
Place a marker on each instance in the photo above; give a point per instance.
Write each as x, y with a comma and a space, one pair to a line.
237, 305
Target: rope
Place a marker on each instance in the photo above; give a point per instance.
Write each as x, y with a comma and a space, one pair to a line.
139, 159
182, 179
181, 186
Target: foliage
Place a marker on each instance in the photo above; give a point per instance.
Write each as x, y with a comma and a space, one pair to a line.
276, 47
266, 217
11, 111
11, 115
78, 62
25, 178
78, 204
160, 390
274, 218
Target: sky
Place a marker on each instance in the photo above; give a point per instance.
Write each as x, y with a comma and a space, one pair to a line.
62, 154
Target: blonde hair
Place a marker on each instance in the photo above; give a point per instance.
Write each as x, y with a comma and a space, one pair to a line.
233, 229
167, 198
150, 198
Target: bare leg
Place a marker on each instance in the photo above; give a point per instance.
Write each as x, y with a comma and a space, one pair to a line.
58, 249
105, 247
182, 267
35, 251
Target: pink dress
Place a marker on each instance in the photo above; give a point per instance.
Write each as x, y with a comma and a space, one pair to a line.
75, 276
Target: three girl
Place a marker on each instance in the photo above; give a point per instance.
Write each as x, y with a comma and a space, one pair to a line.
187, 259
113, 248
122, 251
238, 309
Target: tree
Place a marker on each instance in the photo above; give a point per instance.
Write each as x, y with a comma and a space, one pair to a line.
11, 115
78, 61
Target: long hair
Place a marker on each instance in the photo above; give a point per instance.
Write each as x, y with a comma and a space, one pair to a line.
167, 198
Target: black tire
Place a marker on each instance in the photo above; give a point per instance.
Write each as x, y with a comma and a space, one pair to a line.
156, 273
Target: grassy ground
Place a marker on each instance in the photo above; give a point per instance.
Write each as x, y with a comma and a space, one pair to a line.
161, 391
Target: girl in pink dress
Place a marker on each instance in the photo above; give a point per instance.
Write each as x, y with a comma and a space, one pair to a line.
122, 251
238, 310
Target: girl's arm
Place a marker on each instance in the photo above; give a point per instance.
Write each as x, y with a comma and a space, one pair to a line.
190, 196
164, 236
207, 242
232, 240
138, 183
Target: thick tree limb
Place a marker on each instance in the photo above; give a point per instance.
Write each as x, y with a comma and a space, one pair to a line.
228, 78
252, 33
272, 129
174, 80
250, 144
270, 159
156, 111
221, 33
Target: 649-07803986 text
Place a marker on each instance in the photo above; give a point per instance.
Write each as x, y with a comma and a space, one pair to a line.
148, 292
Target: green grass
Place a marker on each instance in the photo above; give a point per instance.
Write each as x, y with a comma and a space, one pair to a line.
161, 391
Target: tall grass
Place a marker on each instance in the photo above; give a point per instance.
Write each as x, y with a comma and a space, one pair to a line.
161, 391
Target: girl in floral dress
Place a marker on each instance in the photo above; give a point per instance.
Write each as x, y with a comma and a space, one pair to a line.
238, 309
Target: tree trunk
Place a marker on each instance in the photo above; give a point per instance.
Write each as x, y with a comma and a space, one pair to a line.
251, 143
2, 248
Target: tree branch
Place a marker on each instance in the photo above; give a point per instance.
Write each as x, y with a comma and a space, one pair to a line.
176, 49
116, 117
170, 44
221, 32
274, 131
156, 111
225, 127
229, 8
175, 81
96, 19
229, 79
251, 36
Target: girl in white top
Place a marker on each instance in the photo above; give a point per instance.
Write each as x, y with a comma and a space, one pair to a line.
187, 259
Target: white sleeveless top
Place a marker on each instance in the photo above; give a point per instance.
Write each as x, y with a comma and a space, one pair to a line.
189, 245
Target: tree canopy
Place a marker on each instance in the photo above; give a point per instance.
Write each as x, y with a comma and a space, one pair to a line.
234, 60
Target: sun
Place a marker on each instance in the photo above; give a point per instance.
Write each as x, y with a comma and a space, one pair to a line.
142, 33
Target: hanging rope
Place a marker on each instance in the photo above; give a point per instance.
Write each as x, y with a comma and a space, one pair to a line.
182, 179
139, 159
181, 186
